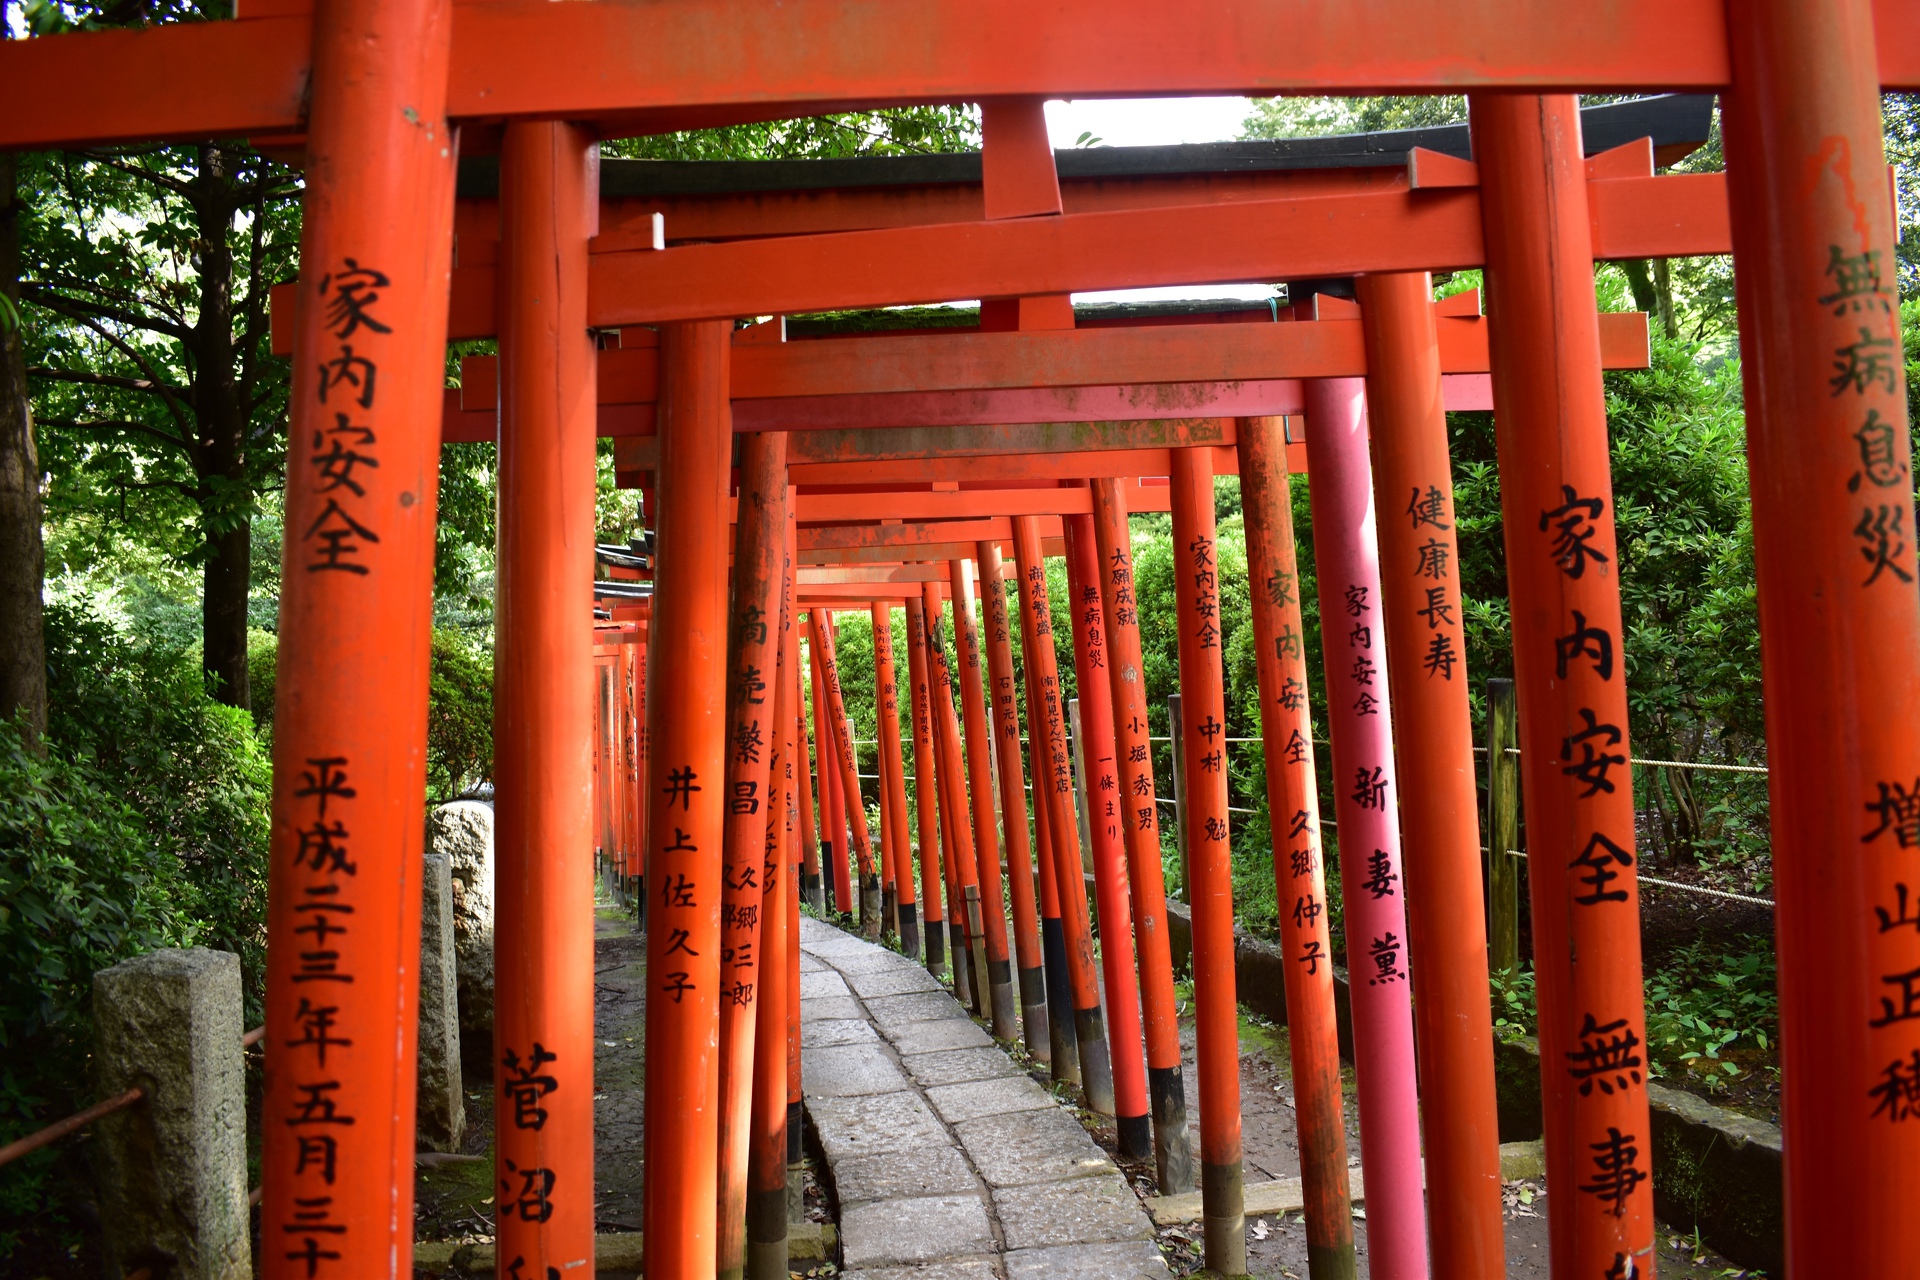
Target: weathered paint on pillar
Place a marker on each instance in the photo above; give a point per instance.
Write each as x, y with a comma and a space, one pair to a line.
766, 1202
1834, 537
1053, 787
1556, 502
1140, 822
1366, 799
840, 751
925, 788
979, 756
1013, 805
1299, 871
349, 783
796, 1172
755, 707
1210, 886
1426, 649
810, 890
832, 851
543, 765
1064, 1054
1062, 1044
1111, 884
951, 766
893, 771
688, 809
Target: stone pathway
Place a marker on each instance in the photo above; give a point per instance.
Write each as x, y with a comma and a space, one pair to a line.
950, 1164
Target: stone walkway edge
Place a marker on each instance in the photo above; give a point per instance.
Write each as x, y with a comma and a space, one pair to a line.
948, 1161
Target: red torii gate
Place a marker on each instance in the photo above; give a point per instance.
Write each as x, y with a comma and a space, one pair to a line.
1802, 142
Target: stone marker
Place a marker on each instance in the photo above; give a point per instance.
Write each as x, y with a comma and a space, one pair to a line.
172, 1169
463, 830
442, 1121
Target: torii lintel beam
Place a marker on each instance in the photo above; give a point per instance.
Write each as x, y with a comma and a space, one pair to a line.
657, 67
969, 469
855, 509
966, 377
1257, 240
936, 551
1358, 227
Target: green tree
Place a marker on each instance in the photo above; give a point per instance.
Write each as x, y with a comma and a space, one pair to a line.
890, 131
159, 403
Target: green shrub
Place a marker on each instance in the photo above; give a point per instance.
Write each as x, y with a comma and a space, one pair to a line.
459, 708
459, 716
83, 885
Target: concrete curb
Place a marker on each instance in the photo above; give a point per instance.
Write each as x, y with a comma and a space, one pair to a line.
1713, 1169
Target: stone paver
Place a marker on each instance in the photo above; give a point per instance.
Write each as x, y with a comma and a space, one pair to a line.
956, 1103
850, 1070
828, 1031
921, 1229
935, 1035
973, 1269
951, 1066
1031, 1146
892, 982
826, 983
898, 1174
1077, 1211
949, 1162
1088, 1262
830, 1007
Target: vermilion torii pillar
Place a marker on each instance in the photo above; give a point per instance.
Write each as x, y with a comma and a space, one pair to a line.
688, 816
836, 891
1140, 820
979, 773
755, 705
894, 779
543, 1021
971, 980
1110, 881
1034, 1024
925, 794
343, 920
1373, 888
1210, 887
1061, 1031
1569, 660
840, 752
766, 1201
1299, 872
1833, 487
809, 887
1053, 788
1433, 751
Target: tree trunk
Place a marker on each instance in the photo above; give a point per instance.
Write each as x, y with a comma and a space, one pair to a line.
1663, 291
23, 654
226, 500
1641, 283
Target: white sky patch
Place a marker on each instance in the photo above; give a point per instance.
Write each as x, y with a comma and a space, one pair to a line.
1153, 122
1146, 122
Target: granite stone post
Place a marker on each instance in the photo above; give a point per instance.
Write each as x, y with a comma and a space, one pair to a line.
442, 1121
172, 1169
463, 831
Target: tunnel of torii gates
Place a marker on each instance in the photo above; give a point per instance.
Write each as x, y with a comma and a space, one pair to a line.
378, 98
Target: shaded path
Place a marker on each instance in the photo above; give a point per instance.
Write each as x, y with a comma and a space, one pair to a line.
949, 1162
